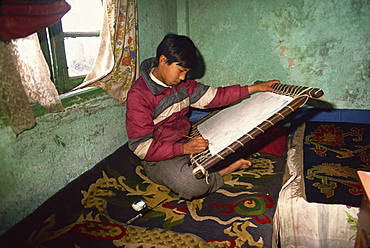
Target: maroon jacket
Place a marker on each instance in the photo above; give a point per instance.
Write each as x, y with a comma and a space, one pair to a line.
156, 115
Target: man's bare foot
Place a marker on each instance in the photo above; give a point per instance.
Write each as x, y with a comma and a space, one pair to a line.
239, 164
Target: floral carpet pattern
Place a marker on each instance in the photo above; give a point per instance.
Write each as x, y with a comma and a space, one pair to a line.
94, 210
333, 153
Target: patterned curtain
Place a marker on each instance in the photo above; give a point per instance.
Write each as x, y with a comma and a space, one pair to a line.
116, 65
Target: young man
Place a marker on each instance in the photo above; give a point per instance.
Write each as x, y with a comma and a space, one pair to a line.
156, 119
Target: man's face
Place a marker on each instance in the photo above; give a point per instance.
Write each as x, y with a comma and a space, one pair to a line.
173, 74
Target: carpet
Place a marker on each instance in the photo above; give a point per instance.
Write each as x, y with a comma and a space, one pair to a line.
333, 153
93, 210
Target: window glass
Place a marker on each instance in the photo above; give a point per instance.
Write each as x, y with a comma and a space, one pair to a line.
80, 53
84, 16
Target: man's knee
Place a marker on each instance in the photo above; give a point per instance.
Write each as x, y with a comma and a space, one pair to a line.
190, 194
199, 187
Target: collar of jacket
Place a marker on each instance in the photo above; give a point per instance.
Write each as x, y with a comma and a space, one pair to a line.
145, 67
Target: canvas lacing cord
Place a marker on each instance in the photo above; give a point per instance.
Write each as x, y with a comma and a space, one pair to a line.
304, 94
295, 92
201, 168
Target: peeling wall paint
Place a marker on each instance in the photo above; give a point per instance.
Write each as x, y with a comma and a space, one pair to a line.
313, 43
41, 161
156, 19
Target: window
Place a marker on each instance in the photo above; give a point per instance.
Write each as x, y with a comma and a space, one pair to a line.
71, 45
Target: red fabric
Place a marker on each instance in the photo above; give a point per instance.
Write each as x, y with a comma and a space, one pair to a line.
167, 134
273, 141
19, 19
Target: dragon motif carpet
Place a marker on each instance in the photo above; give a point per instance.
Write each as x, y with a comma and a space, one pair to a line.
93, 210
333, 153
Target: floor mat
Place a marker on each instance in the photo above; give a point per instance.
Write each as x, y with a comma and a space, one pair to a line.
93, 210
333, 152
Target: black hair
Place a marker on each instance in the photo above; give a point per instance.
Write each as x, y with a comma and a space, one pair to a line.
179, 48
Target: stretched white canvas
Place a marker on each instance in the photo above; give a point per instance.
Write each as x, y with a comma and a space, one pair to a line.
233, 122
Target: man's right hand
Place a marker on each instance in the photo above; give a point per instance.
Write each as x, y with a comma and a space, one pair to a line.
195, 145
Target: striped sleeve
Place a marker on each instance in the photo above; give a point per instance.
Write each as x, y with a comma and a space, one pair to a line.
202, 96
210, 97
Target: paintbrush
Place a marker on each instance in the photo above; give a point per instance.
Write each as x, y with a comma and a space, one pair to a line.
187, 136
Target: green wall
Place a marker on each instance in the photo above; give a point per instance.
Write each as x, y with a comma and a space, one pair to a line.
308, 42
314, 43
156, 19
41, 161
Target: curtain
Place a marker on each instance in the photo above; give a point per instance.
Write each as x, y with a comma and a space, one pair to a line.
13, 99
116, 65
24, 73
25, 79
35, 74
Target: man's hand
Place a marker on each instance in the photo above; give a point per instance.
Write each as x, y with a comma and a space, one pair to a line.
195, 145
265, 86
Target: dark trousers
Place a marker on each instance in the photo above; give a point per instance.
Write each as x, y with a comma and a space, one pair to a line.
177, 175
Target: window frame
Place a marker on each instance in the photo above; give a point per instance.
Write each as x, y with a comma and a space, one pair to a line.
53, 47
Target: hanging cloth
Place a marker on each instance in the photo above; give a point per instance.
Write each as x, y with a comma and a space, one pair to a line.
24, 74
19, 18
116, 65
